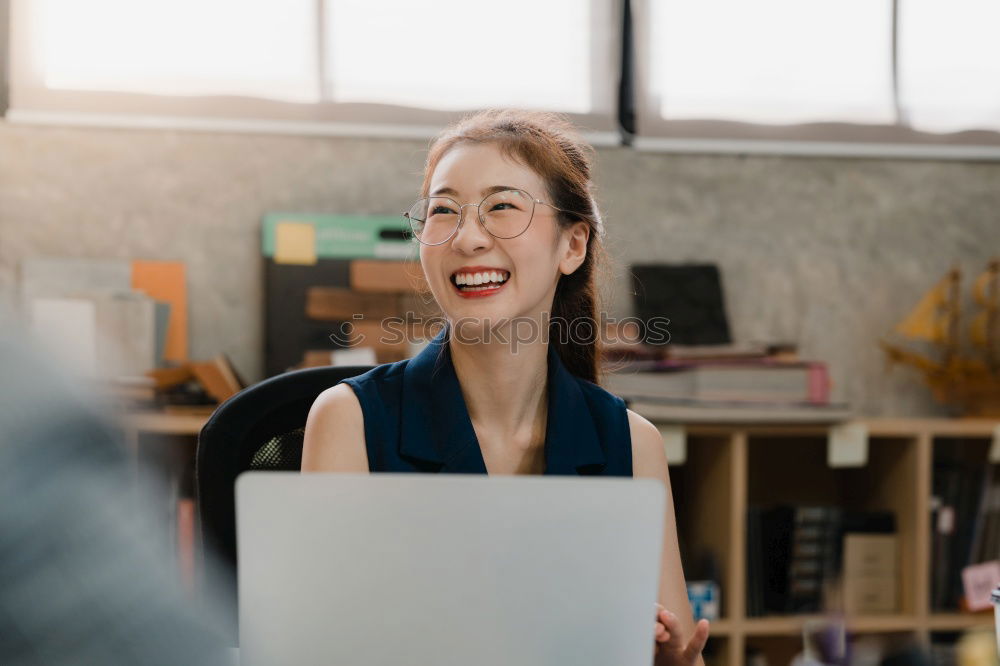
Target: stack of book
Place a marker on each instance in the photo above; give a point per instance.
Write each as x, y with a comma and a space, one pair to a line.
795, 554
965, 525
870, 574
752, 382
986, 527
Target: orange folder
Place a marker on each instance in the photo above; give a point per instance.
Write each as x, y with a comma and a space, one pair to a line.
165, 281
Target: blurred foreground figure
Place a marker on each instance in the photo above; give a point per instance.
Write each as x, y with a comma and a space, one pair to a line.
84, 578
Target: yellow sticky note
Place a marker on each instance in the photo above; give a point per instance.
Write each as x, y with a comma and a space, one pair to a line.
295, 243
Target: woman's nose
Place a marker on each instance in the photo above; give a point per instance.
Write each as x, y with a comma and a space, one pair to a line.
470, 235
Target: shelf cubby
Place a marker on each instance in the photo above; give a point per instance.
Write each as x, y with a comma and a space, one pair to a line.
728, 467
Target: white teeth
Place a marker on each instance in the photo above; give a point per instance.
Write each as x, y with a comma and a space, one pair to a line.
498, 277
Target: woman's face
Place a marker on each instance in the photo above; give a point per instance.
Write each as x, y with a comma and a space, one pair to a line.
534, 260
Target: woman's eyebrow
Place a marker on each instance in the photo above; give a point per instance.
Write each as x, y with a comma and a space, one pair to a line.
486, 191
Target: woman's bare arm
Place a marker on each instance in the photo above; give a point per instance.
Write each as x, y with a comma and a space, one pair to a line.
334, 438
649, 460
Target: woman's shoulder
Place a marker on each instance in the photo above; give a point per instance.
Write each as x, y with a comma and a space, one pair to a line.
383, 371
349, 416
355, 395
377, 377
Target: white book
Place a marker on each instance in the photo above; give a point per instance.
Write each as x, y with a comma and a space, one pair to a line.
99, 334
66, 328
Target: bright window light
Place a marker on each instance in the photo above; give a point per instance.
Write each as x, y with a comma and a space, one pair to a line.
772, 61
949, 64
179, 47
456, 54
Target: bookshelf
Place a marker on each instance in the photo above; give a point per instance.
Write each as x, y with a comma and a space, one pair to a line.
727, 467
730, 466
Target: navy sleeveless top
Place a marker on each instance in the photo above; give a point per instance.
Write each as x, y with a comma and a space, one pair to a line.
416, 419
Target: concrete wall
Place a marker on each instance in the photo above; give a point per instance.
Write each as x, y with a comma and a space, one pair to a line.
826, 252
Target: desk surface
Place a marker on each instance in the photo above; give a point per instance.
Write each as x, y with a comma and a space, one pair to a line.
184, 423
164, 422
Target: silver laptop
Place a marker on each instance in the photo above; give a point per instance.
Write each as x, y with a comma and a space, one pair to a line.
447, 569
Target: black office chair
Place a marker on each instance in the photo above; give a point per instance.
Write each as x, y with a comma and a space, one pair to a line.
259, 428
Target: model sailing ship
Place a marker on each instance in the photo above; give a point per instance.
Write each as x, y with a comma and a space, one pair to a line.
965, 375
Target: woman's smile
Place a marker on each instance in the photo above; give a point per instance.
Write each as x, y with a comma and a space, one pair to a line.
479, 285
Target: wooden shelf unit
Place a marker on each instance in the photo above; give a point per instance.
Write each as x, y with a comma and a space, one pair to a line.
730, 466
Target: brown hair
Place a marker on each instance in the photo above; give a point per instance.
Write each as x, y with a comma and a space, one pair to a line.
550, 145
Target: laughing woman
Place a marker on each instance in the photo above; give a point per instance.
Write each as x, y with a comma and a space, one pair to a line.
510, 241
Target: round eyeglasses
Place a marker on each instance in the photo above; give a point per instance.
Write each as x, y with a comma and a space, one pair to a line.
504, 214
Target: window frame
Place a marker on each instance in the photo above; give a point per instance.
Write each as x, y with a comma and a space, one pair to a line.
624, 89
31, 102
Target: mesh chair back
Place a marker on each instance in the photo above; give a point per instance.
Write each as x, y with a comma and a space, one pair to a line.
259, 428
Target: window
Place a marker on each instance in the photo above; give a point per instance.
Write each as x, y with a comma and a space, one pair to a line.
950, 64
878, 77
411, 66
456, 54
778, 62
184, 47
874, 77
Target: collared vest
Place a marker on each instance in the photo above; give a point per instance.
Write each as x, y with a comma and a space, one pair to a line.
415, 419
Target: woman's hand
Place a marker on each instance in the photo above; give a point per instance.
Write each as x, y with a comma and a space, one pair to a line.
670, 641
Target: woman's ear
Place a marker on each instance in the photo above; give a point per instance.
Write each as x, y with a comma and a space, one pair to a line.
573, 246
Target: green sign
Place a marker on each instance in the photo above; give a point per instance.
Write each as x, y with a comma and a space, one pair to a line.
302, 238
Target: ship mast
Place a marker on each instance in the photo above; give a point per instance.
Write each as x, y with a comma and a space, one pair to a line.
954, 312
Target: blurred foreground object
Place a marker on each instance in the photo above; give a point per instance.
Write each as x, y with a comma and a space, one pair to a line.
976, 648
84, 579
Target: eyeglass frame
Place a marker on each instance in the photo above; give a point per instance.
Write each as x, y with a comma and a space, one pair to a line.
479, 214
